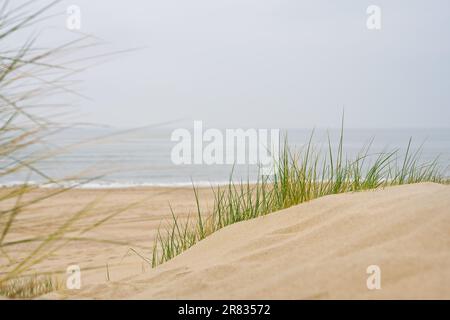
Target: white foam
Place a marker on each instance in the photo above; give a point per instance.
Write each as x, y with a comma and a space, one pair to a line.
115, 185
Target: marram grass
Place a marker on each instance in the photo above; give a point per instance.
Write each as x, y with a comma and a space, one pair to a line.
29, 74
299, 176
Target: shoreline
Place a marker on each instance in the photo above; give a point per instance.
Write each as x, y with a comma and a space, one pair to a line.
121, 186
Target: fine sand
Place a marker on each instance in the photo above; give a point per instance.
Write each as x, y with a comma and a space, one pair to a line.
138, 213
316, 250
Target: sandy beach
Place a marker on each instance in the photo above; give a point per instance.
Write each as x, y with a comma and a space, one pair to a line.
137, 215
316, 250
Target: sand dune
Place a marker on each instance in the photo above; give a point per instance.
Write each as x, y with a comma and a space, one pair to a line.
316, 250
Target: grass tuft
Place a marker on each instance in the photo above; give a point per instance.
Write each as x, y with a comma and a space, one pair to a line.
299, 177
29, 287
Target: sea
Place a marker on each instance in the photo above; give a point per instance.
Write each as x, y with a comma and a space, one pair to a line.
99, 157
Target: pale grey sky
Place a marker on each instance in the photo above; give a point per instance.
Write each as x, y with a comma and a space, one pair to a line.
268, 63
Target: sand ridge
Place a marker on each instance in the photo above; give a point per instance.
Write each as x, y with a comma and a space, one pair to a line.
316, 250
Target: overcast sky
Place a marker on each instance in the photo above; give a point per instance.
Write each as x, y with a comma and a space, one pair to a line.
267, 63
